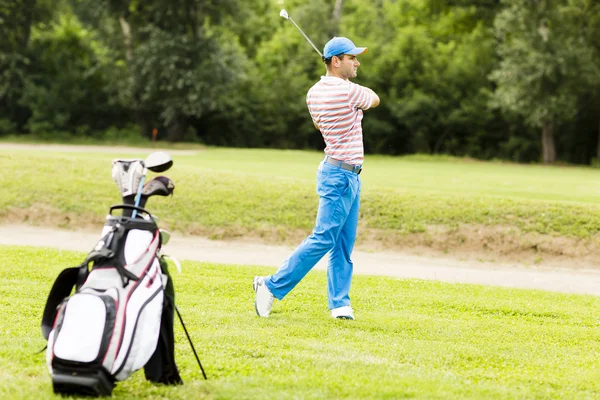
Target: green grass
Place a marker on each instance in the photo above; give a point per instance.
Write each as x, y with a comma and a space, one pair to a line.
411, 339
231, 192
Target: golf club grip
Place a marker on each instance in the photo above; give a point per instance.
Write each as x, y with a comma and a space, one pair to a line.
128, 207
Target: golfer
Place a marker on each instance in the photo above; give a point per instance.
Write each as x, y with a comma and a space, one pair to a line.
336, 106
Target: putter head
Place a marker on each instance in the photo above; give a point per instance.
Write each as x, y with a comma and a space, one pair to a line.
284, 14
159, 161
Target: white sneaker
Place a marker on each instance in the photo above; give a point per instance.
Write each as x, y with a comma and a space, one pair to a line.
264, 297
344, 312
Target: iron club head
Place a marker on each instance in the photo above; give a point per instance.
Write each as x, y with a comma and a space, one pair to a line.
165, 236
284, 14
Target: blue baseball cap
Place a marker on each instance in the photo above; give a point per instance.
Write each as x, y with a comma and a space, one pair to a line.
341, 45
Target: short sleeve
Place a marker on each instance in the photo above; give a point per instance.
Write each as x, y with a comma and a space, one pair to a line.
359, 97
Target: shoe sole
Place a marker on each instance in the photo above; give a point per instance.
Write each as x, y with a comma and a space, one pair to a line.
255, 288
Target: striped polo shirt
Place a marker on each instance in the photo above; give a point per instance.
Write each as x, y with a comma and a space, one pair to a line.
335, 106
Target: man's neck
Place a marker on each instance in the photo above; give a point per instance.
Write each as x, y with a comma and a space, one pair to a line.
334, 75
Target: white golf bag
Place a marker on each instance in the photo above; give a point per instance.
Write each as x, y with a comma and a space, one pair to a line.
110, 326
121, 316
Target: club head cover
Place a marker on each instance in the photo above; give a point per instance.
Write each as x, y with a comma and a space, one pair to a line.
127, 175
159, 186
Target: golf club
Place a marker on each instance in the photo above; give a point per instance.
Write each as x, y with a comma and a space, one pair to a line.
158, 161
159, 186
127, 174
284, 14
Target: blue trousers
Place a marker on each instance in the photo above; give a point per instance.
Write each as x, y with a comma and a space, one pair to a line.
334, 232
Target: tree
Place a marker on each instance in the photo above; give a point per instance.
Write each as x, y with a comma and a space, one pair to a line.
181, 64
65, 88
428, 61
544, 64
17, 19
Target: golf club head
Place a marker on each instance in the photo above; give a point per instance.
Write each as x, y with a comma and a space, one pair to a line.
165, 236
285, 15
159, 186
159, 161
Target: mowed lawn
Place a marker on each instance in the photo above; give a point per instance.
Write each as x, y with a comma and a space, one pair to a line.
224, 192
412, 339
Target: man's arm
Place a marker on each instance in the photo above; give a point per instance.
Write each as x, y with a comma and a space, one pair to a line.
362, 97
376, 100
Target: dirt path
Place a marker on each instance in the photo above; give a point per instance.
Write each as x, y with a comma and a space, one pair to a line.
392, 264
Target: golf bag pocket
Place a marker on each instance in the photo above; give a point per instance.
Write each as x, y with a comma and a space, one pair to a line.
85, 324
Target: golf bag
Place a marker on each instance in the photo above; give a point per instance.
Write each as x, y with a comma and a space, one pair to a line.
120, 317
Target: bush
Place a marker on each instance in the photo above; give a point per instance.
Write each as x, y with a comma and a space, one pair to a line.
7, 127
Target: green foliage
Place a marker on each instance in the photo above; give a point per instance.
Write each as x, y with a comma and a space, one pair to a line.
184, 76
66, 89
7, 126
13, 66
428, 64
441, 341
467, 78
545, 63
17, 19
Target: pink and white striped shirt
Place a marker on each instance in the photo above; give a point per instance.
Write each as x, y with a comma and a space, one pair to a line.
336, 107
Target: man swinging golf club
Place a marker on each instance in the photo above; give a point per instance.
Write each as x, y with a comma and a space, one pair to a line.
336, 107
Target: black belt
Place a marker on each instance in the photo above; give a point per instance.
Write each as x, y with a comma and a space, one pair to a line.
348, 167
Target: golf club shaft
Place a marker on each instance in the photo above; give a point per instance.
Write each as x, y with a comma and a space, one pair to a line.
306, 37
138, 195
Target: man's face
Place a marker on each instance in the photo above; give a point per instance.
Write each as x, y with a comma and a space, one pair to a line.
348, 66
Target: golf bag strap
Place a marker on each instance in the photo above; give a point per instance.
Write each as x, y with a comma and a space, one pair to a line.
128, 208
97, 255
132, 223
68, 279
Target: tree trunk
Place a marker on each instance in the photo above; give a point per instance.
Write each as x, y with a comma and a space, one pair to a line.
142, 120
140, 117
126, 29
549, 152
176, 129
27, 23
334, 26
598, 145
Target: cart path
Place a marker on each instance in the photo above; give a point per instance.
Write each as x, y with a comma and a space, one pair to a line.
382, 263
